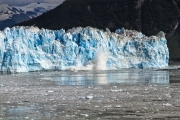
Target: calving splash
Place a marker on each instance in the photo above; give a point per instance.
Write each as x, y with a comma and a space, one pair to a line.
24, 49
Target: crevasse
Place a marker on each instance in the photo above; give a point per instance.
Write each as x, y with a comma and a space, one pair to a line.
24, 49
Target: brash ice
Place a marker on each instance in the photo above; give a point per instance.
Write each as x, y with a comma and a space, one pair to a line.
24, 49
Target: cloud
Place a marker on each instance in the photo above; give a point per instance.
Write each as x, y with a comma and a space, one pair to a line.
24, 2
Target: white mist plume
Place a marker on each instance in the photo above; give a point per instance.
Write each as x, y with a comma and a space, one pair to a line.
100, 61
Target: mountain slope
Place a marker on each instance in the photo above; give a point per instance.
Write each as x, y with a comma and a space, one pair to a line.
11, 15
148, 16
36, 9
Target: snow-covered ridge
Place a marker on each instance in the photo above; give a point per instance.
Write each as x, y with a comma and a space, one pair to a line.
11, 15
24, 49
31, 10
6, 11
36, 9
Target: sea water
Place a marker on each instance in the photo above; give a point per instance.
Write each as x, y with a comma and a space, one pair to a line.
51, 94
106, 77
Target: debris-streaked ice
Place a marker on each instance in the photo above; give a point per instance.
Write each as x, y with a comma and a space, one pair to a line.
24, 49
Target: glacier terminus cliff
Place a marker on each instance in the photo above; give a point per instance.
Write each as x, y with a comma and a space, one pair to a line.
24, 49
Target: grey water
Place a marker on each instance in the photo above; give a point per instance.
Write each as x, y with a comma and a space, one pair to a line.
89, 78
107, 77
104, 77
28, 109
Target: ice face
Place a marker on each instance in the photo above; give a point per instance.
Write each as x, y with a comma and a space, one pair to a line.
24, 49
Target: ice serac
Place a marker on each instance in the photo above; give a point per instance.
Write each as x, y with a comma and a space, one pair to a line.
24, 49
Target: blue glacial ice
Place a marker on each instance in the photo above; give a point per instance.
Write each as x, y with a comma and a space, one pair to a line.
25, 49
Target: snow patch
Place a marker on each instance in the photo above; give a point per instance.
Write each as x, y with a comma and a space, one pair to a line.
176, 26
37, 8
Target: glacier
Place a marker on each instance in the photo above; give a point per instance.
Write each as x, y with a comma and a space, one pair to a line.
29, 48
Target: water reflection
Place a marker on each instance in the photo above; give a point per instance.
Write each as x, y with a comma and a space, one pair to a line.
108, 77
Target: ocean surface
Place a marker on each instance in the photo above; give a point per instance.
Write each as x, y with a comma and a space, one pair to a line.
38, 95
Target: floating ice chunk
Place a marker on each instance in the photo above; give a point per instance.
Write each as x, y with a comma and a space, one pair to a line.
145, 107
108, 106
50, 91
117, 106
120, 90
85, 115
82, 97
89, 97
26, 117
96, 106
167, 104
168, 95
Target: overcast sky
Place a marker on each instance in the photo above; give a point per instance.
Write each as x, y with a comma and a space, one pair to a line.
24, 2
